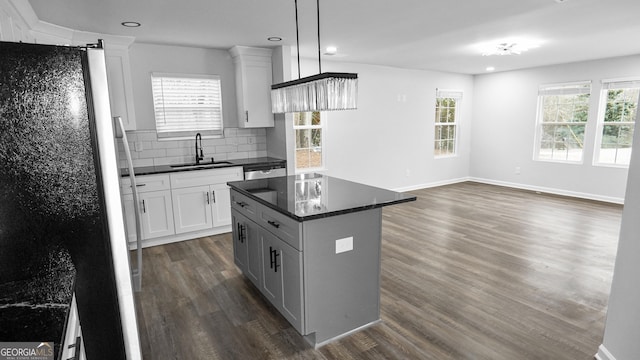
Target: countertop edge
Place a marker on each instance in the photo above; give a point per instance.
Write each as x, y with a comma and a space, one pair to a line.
167, 169
323, 215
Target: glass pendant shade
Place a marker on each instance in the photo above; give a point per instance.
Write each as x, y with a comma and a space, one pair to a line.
322, 92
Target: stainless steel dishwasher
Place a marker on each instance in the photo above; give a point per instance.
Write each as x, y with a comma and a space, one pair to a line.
262, 171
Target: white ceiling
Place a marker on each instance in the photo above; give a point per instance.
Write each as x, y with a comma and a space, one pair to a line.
415, 34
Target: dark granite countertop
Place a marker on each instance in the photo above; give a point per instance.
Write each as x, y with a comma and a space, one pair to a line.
205, 164
36, 309
313, 196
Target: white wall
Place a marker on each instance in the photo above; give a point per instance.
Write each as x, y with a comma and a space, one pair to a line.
504, 131
148, 58
388, 140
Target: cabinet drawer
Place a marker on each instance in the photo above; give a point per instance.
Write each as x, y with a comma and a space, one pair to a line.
244, 205
146, 183
280, 225
206, 177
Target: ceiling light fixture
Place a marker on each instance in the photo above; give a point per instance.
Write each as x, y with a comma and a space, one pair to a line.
321, 92
130, 24
507, 47
274, 38
490, 68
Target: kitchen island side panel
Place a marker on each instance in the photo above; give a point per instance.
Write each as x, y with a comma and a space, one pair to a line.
342, 290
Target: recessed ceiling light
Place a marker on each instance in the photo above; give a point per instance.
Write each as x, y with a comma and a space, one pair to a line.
274, 38
490, 68
130, 23
331, 50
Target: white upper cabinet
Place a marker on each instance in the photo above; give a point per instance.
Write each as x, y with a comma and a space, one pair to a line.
253, 86
120, 88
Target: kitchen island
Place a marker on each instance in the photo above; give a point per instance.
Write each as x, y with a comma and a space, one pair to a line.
311, 244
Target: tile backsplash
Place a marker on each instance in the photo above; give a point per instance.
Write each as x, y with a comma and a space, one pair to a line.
147, 150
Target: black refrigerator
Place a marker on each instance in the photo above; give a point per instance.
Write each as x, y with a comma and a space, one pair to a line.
61, 226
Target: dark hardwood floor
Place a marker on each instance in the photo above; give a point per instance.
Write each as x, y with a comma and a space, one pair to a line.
469, 271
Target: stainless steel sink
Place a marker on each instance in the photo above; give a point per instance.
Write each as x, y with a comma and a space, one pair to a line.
201, 165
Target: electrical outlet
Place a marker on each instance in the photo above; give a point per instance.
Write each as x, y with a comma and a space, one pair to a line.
408, 173
517, 170
344, 245
138, 146
250, 140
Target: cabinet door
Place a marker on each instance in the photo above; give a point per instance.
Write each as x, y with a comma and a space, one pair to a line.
282, 278
157, 214
254, 253
291, 277
257, 95
239, 242
220, 204
253, 86
247, 250
271, 280
192, 209
120, 86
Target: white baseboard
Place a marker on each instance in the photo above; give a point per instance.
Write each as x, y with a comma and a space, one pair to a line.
181, 237
609, 199
433, 184
603, 354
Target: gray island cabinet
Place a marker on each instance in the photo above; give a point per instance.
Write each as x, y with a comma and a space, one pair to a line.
311, 245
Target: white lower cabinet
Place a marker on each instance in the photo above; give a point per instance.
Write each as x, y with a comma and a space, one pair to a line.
201, 199
192, 209
155, 206
173, 205
221, 204
157, 214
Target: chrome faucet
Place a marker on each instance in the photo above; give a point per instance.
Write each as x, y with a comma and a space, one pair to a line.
199, 155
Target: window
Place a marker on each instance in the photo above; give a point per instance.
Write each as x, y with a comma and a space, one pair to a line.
562, 117
308, 127
187, 104
616, 120
446, 130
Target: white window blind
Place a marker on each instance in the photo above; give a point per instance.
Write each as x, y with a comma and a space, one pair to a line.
448, 94
621, 84
187, 104
582, 87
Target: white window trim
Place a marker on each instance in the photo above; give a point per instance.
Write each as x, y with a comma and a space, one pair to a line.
323, 125
602, 108
189, 134
451, 94
567, 88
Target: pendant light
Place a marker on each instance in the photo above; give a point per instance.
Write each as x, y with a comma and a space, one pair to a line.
321, 92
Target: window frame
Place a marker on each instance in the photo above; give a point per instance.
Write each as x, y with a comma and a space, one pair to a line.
569, 88
323, 128
456, 95
615, 84
215, 130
